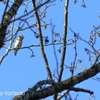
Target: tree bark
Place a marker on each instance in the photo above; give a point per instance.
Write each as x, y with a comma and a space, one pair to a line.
7, 18
60, 86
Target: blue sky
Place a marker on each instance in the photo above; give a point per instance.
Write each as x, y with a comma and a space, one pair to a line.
18, 73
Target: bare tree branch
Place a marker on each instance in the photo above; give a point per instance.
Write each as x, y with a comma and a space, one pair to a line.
60, 86
64, 39
41, 83
41, 41
10, 46
7, 18
63, 94
81, 90
64, 42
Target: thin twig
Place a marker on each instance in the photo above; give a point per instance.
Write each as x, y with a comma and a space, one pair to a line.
54, 49
48, 1
81, 90
63, 94
10, 44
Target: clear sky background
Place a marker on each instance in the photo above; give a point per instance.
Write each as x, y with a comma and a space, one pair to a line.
18, 73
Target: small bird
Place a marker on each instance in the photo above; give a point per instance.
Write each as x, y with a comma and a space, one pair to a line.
18, 44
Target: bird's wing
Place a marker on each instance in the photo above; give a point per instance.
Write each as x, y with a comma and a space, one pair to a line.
17, 44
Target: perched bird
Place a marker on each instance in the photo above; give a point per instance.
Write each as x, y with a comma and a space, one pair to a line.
18, 44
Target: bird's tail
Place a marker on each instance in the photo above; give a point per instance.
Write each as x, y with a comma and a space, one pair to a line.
15, 52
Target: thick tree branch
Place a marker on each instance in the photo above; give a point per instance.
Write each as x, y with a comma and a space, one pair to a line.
60, 86
7, 18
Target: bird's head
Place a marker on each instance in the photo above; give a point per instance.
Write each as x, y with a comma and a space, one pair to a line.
21, 37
